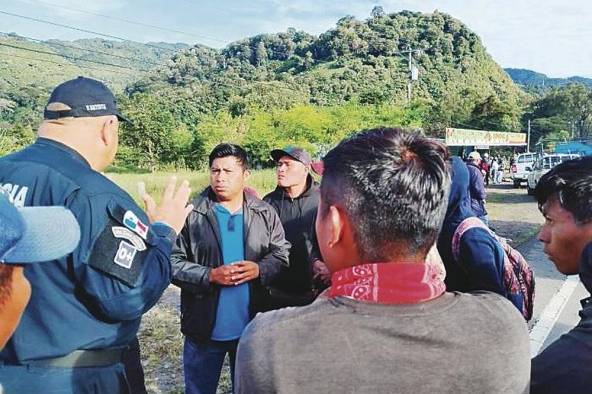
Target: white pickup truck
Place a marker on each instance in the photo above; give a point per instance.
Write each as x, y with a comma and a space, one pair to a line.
518, 171
543, 165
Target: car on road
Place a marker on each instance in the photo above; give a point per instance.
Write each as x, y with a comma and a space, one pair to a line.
518, 172
542, 165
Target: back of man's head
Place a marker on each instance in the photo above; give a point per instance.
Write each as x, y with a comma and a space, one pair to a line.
393, 186
82, 114
571, 183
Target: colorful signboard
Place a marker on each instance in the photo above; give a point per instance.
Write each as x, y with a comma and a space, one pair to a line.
466, 137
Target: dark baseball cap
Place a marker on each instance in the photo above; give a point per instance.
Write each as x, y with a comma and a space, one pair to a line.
294, 152
79, 98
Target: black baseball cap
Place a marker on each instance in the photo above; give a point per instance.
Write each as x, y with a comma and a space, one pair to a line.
294, 152
79, 98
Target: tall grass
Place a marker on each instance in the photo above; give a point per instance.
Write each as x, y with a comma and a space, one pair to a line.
263, 181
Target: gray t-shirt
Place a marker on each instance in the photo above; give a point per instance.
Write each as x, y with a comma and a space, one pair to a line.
458, 343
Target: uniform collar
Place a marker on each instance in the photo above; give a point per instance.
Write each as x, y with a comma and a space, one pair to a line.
58, 145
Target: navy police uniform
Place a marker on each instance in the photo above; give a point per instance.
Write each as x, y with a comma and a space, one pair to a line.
86, 307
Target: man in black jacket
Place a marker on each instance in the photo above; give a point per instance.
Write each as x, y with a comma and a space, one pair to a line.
295, 199
231, 247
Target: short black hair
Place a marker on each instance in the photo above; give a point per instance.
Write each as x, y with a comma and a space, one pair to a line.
393, 185
225, 150
571, 183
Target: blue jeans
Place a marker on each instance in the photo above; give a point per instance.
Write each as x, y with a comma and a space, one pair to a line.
202, 364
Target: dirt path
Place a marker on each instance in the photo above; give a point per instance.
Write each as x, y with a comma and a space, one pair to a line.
513, 214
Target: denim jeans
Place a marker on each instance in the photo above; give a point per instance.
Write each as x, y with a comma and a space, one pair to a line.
202, 364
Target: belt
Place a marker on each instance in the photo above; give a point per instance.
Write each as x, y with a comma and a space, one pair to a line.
82, 358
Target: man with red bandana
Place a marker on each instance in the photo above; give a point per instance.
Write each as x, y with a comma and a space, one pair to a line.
386, 324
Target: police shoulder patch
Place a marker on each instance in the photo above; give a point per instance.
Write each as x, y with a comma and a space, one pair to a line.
120, 251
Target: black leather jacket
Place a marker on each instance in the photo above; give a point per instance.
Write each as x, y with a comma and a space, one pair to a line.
198, 250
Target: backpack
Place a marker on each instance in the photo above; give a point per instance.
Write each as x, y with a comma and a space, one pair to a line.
518, 276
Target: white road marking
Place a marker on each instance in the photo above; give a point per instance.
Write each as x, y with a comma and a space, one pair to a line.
550, 314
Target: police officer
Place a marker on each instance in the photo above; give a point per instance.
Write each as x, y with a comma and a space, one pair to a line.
86, 307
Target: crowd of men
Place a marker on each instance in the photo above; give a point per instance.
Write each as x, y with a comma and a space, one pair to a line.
314, 288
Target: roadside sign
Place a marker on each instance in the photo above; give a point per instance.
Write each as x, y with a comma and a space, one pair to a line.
466, 137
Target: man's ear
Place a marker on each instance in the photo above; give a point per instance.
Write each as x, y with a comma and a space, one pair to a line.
338, 223
108, 132
246, 174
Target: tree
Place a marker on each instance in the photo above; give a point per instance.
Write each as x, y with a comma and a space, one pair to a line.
260, 54
494, 114
565, 108
377, 12
154, 133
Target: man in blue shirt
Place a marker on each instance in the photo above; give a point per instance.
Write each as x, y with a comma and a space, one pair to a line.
233, 306
86, 307
231, 247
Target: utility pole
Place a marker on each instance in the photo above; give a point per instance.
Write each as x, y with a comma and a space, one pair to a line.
413, 70
528, 138
410, 82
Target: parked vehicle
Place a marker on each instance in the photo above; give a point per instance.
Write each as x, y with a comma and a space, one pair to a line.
542, 166
518, 171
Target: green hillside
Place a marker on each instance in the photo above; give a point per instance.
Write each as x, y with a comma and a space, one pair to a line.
357, 61
30, 69
539, 83
357, 70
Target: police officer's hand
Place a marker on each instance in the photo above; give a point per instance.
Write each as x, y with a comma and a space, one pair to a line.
223, 275
173, 208
245, 271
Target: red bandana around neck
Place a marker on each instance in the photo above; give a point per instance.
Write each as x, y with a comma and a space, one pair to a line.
388, 283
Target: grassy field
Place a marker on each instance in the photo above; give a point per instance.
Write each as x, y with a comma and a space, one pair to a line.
261, 180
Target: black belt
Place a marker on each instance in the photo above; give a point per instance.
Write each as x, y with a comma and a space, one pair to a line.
82, 358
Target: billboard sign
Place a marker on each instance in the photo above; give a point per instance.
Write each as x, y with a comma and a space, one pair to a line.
466, 137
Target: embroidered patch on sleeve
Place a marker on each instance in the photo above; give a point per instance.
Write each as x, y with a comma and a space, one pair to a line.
118, 251
131, 221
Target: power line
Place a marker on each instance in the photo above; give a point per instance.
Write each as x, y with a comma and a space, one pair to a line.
68, 64
205, 83
69, 57
113, 36
50, 43
127, 21
81, 30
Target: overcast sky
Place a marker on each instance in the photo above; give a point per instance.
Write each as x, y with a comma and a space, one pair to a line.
550, 36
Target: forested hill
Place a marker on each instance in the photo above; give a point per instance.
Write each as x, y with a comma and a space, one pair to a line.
539, 82
359, 61
33, 64
29, 69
